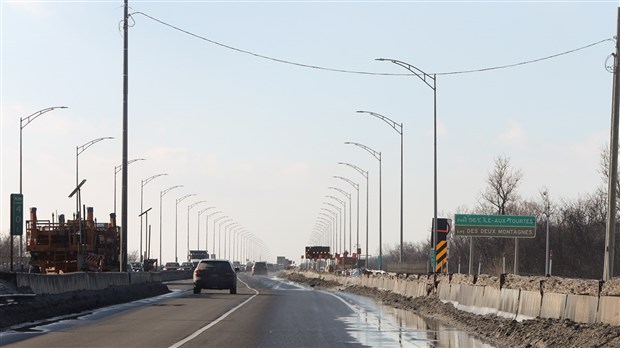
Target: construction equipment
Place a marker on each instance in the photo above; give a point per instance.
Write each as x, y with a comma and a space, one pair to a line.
73, 245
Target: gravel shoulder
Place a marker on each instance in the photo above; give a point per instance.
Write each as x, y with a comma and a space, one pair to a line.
497, 331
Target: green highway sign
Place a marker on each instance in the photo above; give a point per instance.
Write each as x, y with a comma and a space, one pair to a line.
510, 226
17, 214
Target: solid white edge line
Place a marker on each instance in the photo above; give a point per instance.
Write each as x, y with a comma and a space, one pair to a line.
210, 325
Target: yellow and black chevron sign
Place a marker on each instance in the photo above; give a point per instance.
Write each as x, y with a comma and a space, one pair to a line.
441, 246
441, 254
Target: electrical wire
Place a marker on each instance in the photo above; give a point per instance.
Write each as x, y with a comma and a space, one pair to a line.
507, 66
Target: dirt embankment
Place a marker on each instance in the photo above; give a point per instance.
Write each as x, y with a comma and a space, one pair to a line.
498, 331
49, 306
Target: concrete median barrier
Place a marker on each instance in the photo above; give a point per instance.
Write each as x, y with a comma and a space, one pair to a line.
552, 306
609, 310
491, 300
581, 308
508, 303
529, 305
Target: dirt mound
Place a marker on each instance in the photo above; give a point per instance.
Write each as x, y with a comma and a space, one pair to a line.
313, 282
49, 306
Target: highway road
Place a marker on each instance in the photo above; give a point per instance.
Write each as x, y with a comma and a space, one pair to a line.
266, 312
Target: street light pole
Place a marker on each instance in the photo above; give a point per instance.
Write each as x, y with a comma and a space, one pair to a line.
365, 175
176, 225
356, 186
336, 238
198, 229
348, 195
161, 196
399, 129
219, 229
207, 232
117, 169
23, 122
78, 152
426, 78
376, 155
189, 207
333, 216
142, 184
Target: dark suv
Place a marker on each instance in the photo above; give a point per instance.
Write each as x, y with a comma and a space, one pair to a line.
215, 274
260, 268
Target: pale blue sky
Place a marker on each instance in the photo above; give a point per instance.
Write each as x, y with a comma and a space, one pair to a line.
260, 140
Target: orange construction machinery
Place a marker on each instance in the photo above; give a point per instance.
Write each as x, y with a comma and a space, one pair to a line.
73, 245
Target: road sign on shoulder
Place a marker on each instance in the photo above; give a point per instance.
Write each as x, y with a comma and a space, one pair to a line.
510, 226
17, 214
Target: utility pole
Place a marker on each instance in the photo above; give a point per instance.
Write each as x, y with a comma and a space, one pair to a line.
608, 267
123, 256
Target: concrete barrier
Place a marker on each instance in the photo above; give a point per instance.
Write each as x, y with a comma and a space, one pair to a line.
465, 298
553, 305
443, 291
42, 284
529, 305
508, 303
581, 308
609, 310
454, 293
490, 300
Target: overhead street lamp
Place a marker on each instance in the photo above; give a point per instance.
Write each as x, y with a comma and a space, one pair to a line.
377, 155
228, 238
23, 122
219, 233
117, 169
348, 195
356, 186
198, 229
343, 239
142, 184
399, 129
427, 79
189, 207
325, 225
78, 152
226, 223
333, 215
332, 223
176, 225
365, 175
207, 231
161, 196
338, 238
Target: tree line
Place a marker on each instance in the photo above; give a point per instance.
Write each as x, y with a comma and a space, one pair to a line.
576, 231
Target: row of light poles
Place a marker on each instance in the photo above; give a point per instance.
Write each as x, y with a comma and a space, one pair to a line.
431, 82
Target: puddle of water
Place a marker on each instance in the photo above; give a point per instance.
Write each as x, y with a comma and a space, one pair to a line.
376, 325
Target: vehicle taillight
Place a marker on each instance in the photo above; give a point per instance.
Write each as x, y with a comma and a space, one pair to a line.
197, 271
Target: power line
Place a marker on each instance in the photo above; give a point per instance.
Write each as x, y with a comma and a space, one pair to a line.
507, 66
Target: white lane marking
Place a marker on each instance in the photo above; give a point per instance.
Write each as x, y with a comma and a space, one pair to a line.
210, 325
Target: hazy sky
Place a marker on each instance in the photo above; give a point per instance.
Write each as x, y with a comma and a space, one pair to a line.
260, 140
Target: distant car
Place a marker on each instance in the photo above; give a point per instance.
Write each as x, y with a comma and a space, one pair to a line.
186, 266
136, 266
171, 266
215, 274
260, 268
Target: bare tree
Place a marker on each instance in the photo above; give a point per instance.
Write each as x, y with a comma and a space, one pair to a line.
502, 184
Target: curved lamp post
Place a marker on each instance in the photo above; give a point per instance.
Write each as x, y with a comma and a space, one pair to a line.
189, 207
356, 186
161, 196
78, 152
117, 169
399, 129
200, 212
23, 122
207, 231
376, 155
219, 233
176, 225
343, 239
348, 195
339, 209
365, 175
332, 222
143, 183
334, 215
427, 79
225, 223
228, 235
